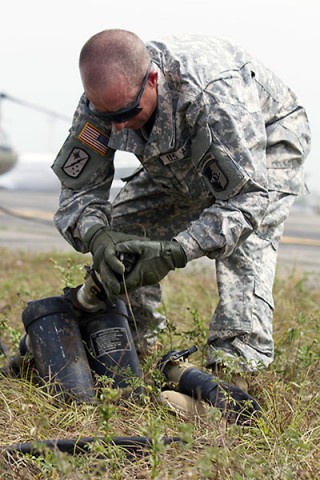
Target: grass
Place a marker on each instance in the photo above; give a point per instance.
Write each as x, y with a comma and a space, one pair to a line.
285, 445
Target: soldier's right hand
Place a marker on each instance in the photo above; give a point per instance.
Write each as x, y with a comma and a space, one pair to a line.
102, 242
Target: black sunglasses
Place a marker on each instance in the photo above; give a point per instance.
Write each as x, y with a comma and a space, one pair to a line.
126, 113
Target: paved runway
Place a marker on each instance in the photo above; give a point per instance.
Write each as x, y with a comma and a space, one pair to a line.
26, 224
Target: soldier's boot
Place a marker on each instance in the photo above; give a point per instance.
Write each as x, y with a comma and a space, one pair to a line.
240, 380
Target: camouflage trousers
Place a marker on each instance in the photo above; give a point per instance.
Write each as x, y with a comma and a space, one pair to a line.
241, 326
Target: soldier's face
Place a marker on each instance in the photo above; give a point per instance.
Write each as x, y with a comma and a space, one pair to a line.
124, 106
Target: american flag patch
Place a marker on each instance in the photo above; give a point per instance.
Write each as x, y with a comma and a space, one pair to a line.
95, 139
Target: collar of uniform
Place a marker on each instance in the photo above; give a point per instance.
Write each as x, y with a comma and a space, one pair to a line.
163, 132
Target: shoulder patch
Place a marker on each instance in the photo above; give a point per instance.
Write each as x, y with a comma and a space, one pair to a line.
77, 166
75, 162
94, 138
213, 172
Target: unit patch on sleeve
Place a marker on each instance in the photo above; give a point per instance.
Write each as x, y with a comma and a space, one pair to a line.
95, 139
75, 162
215, 175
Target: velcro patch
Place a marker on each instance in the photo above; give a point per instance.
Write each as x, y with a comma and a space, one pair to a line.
75, 162
214, 174
177, 155
94, 138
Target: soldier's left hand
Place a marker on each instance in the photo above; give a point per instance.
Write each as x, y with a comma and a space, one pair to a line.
155, 260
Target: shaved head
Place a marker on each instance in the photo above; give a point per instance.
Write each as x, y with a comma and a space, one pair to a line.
113, 56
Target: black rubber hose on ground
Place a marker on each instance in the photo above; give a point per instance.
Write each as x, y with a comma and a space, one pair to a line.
236, 404
133, 447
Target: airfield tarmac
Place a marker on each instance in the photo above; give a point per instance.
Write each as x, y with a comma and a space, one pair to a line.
26, 224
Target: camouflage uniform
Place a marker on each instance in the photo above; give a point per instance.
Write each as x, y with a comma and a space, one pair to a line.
219, 173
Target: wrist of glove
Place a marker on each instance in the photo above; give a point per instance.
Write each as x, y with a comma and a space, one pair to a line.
102, 243
154, 261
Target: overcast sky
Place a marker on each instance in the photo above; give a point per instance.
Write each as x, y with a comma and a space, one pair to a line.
40, 44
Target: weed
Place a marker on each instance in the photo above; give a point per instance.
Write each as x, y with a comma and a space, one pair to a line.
284, 444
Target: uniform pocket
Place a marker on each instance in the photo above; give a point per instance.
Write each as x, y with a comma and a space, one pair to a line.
262, 292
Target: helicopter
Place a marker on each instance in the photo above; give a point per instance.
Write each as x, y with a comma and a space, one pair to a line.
30, 170
8, 155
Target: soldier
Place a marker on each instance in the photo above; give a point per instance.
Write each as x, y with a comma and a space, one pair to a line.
221, 141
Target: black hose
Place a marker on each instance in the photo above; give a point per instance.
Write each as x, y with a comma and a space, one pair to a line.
133, 446
236, 404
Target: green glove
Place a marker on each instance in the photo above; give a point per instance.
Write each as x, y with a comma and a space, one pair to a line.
155, 260
101, 242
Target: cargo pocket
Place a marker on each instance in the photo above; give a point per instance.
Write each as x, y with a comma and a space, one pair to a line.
263, 293
261, 339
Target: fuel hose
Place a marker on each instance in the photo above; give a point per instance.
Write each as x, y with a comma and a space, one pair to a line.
134, 447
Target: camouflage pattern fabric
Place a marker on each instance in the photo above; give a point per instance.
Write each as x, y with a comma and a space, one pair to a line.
219, 171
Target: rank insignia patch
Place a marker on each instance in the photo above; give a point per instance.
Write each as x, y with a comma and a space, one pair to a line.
75, 163
215, 175
95, 139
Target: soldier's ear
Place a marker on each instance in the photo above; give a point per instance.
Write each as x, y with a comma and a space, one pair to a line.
153, 79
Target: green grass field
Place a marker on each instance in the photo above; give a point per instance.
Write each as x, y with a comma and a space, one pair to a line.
285, 444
